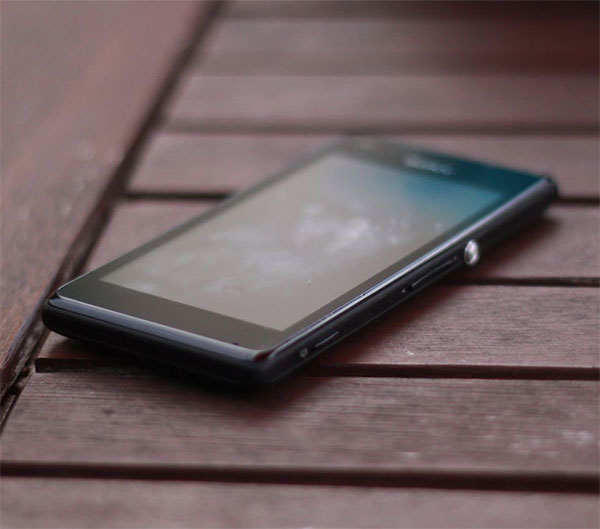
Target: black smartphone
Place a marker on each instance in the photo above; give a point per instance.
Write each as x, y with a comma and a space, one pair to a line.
262, 283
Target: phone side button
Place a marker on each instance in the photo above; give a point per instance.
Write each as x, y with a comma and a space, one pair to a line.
472, 253
325, 341
432, 275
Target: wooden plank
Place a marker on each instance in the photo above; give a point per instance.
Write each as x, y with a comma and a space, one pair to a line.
536, 37
412, 9
564, 244
327, 424
131, 503
334, 46
216, 163
73, 100
445, 330
281, 62
384, 103
481, 326
219, 163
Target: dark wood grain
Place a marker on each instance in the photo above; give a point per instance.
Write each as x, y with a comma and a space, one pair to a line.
386, 103
446, 329
128, 503
411, 9
342, 46
73, 100
371, 424
221, 163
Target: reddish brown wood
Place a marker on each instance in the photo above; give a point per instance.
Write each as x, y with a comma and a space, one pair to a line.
343, 46
221, 163
385, 103
127, 503
73, 99
545, 37
217, 163
386, 62
561, 245
371, 424
482, 326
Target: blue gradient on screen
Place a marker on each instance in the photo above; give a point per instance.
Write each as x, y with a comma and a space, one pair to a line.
297, 245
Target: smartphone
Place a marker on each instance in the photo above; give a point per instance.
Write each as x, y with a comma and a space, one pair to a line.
264, 282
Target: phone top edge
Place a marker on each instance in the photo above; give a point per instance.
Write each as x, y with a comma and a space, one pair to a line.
387, 143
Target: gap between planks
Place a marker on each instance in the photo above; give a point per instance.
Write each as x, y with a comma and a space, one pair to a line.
132, 365
407, 10
570, 281
434, 479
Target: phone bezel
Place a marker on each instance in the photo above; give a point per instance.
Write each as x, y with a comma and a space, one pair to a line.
248, 338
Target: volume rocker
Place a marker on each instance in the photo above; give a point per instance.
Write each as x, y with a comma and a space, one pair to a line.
325, 341
433, 274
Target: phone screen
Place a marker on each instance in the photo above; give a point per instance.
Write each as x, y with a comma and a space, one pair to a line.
296, 245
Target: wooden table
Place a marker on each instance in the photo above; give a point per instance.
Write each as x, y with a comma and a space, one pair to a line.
474, 405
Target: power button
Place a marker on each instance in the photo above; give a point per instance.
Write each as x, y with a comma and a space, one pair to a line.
472, 253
